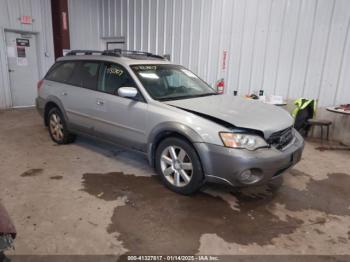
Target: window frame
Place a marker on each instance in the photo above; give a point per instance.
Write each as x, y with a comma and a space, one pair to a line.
55, 66
141, 96
80, 62
175, 65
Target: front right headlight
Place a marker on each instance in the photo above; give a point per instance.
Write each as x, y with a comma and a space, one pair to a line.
239, 140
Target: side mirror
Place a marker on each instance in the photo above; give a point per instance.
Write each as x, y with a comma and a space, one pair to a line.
129, 92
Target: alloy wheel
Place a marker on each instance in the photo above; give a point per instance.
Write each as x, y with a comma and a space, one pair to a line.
176, 166
56, 127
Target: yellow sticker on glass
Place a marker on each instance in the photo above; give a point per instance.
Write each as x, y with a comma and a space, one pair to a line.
114, 71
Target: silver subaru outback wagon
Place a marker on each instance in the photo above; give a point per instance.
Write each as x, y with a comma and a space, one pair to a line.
189, 133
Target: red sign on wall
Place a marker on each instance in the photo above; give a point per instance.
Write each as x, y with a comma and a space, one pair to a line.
26, 19
224, 60
64, 21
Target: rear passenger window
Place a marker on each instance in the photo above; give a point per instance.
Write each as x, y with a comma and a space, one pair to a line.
86, 75
112, 77
61, 72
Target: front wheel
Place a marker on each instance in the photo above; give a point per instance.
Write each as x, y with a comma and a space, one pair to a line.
179, 166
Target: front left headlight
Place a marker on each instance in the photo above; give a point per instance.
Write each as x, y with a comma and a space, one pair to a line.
239, 140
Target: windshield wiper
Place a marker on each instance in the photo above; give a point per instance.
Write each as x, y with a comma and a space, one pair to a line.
185, 97
207, 94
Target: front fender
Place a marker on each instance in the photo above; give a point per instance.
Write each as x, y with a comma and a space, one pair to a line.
171, 127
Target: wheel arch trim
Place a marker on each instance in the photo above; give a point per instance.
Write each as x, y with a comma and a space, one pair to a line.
168, 129
58, 103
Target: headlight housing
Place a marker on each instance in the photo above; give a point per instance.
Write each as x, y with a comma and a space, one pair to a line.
241, 140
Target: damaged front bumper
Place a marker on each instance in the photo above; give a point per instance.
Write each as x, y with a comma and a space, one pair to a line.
222, 164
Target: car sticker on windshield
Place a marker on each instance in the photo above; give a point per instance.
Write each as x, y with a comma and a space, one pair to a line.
114, 71
145, 67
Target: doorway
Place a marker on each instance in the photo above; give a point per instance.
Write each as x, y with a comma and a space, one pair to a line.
22, 67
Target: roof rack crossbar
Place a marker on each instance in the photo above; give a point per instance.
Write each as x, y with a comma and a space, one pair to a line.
120, 52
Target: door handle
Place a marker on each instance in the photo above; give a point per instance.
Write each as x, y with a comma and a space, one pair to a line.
99, 102
11, 70
64, 93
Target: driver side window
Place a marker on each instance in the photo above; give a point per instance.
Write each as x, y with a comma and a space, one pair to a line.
112, 77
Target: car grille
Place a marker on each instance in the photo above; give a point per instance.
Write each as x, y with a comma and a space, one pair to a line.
281, 139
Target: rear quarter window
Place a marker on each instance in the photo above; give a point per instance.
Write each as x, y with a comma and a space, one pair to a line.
61, 72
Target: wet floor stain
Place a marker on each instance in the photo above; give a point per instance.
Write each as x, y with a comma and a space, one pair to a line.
155, 220
298, 173
56, 177
332, 148
330, 195
32, 172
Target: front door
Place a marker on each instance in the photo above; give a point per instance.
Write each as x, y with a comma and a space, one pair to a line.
117, 118
23, 68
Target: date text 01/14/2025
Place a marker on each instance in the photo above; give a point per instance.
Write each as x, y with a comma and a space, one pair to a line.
159, 258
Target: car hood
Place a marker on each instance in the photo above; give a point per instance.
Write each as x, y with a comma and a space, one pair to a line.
240, 112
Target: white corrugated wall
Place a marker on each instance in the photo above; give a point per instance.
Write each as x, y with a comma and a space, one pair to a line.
10, 13
84, 24
292, 48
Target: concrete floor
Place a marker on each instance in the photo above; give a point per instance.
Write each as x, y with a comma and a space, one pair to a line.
90, 198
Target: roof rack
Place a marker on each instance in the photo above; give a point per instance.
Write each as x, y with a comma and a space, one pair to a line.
83, 52
117, 53
120, 52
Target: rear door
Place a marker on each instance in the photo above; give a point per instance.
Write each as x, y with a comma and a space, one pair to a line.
74, 82
78, 96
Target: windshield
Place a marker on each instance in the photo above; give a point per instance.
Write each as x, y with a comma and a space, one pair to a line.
171, 82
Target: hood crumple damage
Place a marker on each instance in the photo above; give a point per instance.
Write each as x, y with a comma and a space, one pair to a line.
239, 112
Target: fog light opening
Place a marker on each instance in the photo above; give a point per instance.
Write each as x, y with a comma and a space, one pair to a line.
250, 176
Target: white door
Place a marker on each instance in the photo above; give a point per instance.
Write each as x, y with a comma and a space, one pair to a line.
23, 68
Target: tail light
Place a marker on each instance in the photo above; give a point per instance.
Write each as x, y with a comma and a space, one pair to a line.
40, 83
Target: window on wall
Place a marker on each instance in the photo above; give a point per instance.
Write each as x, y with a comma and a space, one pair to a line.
112, 77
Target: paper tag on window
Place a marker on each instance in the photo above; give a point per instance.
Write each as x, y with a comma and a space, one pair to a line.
114, 71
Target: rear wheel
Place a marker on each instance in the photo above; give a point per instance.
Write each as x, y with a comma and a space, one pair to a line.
179, 166
58, 128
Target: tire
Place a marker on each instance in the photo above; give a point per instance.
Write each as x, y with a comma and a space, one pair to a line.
58, 128
172, 171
